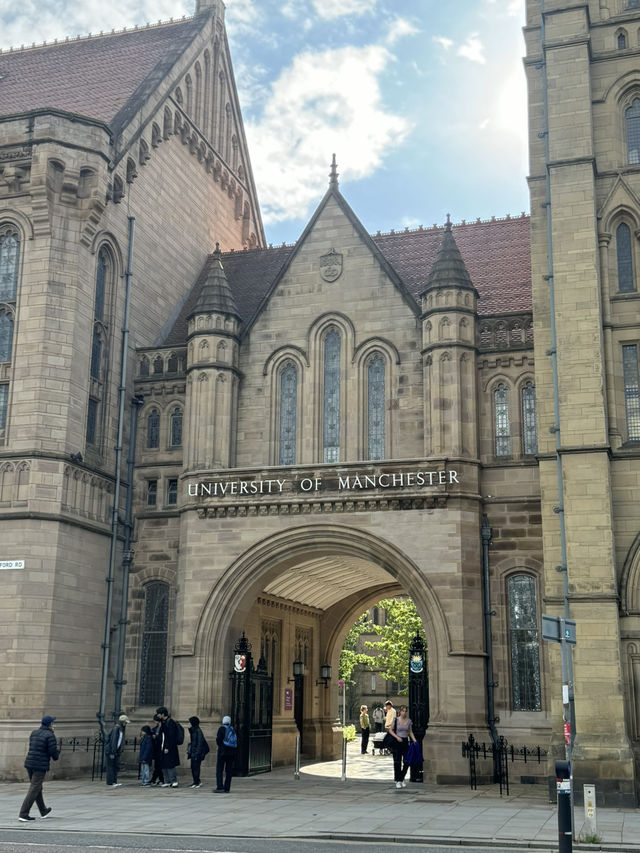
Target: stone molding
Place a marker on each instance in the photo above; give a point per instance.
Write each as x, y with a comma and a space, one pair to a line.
322, 507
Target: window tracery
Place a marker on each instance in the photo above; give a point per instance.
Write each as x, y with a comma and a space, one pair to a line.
524, 644
631, 380
331, 402
376, 426
153, 429
99, 345
175, 427
632, 125
529, 422
154, 643
288, 414
624, 258
502, 420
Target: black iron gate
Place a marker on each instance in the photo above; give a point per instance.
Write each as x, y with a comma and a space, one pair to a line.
251, 711
418, 697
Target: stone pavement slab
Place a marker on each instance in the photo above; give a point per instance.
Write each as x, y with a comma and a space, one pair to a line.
366, 805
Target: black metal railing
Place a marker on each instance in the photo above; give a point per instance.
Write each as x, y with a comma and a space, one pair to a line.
94, 745
501, 755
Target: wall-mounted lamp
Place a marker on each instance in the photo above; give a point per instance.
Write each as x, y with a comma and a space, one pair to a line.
298, 670
325, 675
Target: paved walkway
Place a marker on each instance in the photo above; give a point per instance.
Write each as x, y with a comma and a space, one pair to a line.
366, 805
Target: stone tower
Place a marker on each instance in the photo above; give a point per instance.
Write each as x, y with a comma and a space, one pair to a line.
448, 340
212, 370
584, 94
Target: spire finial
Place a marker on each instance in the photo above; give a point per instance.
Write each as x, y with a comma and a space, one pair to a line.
333, 174
448, 223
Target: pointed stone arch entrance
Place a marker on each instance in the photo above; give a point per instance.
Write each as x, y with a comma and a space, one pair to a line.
310, 582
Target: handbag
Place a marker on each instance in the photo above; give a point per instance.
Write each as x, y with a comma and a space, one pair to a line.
389, 742
414, 754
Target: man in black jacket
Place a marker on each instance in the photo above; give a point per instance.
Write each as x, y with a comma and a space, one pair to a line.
42, 748
170, 755
112, 749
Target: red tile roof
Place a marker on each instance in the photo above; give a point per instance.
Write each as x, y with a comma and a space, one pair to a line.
496, 254
94, 76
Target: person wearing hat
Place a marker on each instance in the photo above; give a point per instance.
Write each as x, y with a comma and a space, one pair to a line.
112, 749
42, 748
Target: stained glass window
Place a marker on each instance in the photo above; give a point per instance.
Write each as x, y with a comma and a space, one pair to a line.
632, 121
154, 644
631, 390
524, 644
101, 283
331, 419
92, 420
529, 425
624, 258
96, 353
376, 408
502, 421
152, 492
176, 428
9, 252
172, 491
622, 41
6, 334
153, 429
288, 414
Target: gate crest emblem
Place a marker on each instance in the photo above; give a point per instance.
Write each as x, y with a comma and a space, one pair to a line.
331, 265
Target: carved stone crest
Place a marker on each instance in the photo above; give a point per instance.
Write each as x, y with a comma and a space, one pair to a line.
331, 265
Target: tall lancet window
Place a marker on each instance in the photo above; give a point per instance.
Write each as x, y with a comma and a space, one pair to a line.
153, 666
98, 363
331, 409
632, 123
9, 254
9, 260
624, 257
288, 414
524, 643
529, 425
502, 420
375, 408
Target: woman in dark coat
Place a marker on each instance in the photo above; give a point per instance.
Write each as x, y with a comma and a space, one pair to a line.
156, 734
170, 754
197, 749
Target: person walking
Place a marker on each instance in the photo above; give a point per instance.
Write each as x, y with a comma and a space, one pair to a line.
364, 728
112, 749
169, 742
156, 732
197, 750
402, 732
42, 748
227, 742
378, 718
145, 757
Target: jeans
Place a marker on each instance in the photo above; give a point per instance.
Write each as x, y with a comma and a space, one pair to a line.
34, 794
170, 775
399, 751
145, 773
113, 765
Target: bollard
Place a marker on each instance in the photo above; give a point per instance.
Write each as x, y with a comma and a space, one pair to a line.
296, 770
590, 824
344, 759
563, 786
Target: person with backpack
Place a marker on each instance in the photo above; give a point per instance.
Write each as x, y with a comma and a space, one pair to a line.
227, 742
171, 737
197, 749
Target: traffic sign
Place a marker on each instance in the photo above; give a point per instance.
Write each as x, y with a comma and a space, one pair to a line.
556, 629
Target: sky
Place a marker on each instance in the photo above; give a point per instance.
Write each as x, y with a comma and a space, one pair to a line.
423, 102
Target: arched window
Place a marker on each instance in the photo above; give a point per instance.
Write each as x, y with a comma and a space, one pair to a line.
524, 644
631, 381
502, 420
288, 414
197, 94
153, 665
632, 122
9, 259
624, 256
158, 366
176, 428
144, 366
172, 363
621, 40
331, 407
189, 99
6, 334
376, 408
153, 429
529, 424
99, 338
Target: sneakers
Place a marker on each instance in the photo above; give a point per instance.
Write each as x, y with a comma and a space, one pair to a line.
25, 819
398, 784
165, 785
404, 784
46, 812
115, 785
218, 791
194, 785
145, 784
174, 784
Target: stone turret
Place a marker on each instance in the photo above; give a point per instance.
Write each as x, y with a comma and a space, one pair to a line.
449, 356
212, 372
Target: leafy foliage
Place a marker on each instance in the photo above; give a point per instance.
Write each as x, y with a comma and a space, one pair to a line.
350, 658
395, 638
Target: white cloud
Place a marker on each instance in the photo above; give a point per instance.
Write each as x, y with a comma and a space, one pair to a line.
322, 103
329, 9
443, 41
472, 49
400, 27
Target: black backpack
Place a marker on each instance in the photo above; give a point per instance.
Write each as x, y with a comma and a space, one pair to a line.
180, 733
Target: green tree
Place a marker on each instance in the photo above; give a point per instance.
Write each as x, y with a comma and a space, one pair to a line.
395, 638
350, 657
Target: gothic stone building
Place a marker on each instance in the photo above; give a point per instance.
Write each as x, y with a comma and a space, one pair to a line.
312, 428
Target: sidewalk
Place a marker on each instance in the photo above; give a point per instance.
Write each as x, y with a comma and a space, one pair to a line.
366, 806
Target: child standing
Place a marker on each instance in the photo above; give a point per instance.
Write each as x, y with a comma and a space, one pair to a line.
146, 756
197, 750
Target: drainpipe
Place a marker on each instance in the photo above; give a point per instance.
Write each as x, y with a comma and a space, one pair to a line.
490, 684
127, 556
116, 495
568, 694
